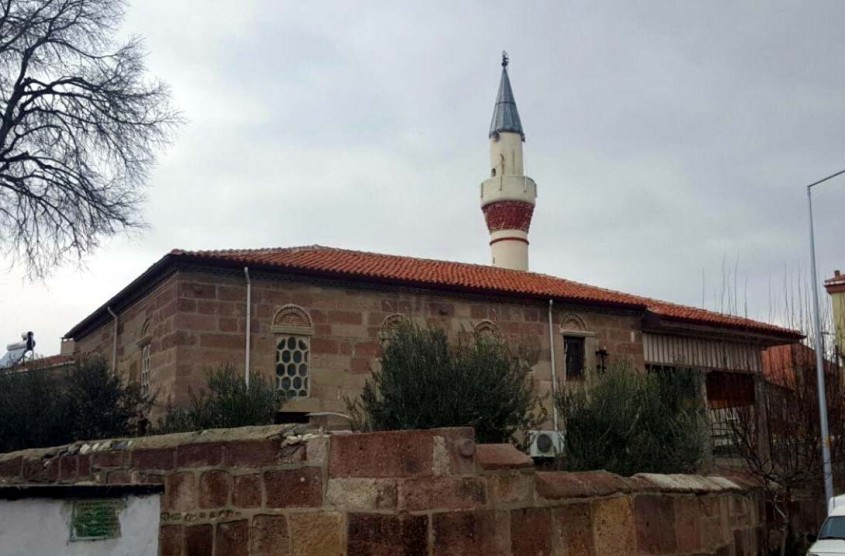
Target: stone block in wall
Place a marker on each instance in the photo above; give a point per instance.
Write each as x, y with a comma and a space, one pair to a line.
232, 538
572, 526
316, 533
655, 519
501, 456
357, 494
205, 454
158, 459
180, 493
199, 540
10, 467
246, 491
531, 532
558, 485
107, 459
454, 451
290, 488
509, 487
170, 540
613, 526
688, 517
381, 454
441, 493
269, 536
38, 469
214, 489
475, 533
714, 523
252, 453
386, 535
68, 468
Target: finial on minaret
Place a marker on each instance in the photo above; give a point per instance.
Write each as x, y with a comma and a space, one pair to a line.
508, 195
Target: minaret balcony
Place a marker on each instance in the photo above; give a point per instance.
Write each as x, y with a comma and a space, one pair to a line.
508, 188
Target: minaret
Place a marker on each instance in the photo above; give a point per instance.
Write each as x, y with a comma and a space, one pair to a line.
507, 197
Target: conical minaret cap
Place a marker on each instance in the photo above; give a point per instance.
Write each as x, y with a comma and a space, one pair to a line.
505, 114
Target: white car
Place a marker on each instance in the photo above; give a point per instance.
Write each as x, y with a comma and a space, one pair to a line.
831, 539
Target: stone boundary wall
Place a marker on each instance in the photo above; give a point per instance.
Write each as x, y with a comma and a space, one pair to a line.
285, 490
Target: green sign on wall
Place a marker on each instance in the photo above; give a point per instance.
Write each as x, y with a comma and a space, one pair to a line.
95, 519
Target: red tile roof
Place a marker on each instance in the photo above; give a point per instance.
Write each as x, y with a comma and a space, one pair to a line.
344, 263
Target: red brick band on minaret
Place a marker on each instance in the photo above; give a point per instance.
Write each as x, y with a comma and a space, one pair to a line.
498, 239
508, 215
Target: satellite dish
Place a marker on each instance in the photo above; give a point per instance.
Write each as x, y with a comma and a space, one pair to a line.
16, 352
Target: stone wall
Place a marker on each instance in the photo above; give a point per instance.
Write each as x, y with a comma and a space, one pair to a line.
283, 490
199, 321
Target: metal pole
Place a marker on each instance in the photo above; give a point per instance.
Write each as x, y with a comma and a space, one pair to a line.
825, 432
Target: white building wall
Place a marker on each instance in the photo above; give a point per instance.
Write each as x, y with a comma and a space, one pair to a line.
41, 527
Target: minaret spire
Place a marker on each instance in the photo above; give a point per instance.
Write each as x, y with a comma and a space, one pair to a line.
508, 196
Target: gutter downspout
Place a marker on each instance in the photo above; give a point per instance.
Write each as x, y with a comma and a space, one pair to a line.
248, 324
554, 372
114, 347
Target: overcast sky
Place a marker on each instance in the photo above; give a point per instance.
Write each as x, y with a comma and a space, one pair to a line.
667, 139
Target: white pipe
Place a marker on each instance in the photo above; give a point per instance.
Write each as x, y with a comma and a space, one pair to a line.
248, 324
114, 347
554, 373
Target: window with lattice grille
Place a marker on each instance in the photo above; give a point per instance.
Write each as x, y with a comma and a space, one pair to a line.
292, 366
145, 371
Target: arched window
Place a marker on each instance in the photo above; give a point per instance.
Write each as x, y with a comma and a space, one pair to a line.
293, 329
389, 325
488, 328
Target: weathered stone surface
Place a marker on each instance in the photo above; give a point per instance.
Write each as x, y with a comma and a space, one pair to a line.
316, 533
688, 517
156, 459
481, 533
558, 485
362, 494
675, 483
170, 540
232, 538
613, 526
269, 536
460, 448
290, 488
206, 454
443, 493
246, 491
214, 489
251, 453
199, 540
501, 456
573, 527
180, 493
655, 519
382, 454
507, 487
387, 535
531, 532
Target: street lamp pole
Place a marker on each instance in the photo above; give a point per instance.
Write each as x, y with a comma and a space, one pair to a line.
825, 431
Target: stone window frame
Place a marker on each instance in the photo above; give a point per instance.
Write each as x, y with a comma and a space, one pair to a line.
144, 343
292, 322
574, 326
389, 324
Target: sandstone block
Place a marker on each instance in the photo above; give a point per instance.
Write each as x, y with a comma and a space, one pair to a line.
362, 494
613, 526
251, 453
382, 454
68, 468
507, 487
481, 533
10, 468
573, 528
294, 488
199, 540
180, 493
316, 533
655, 519
232, 538
199, 455
386, 535
214, 489
269, 536
246, 492
106, 460
688, 516
501, 456
160, 459
443, 493
170, 540
531, 532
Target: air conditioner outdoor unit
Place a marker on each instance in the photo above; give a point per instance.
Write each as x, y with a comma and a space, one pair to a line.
545, 444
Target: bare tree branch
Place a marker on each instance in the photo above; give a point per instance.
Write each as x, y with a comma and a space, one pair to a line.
80, 125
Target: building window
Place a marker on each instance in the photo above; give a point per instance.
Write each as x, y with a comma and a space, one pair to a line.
488, 329
292, 366
573, 349
145, 371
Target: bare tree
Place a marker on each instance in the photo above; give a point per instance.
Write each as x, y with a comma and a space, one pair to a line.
81, 123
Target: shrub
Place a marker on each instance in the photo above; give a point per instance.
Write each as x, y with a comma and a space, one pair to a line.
226, 402
426, 382
631, 422
42, 408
